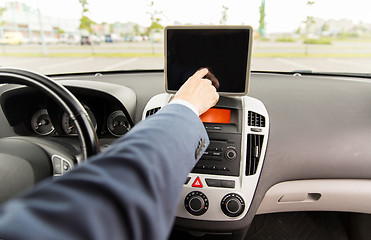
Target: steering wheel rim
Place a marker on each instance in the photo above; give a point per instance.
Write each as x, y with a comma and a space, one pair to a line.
64, 98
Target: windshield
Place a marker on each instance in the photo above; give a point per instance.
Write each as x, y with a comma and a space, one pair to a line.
50, 36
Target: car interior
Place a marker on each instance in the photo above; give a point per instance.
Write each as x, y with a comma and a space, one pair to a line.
289, 154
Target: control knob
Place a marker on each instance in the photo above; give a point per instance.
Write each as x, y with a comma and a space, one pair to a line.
231, 154
232, 205
196, 203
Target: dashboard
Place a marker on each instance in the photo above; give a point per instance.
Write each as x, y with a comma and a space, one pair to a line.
306, 137
31, 113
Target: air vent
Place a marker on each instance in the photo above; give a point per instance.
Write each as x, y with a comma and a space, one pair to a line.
152, 111
254, 148
255, 120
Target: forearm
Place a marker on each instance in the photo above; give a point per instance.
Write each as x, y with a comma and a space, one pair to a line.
129, 191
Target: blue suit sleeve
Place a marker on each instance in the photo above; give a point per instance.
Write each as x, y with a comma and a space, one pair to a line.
130, 191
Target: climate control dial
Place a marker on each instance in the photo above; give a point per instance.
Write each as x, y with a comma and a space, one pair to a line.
196, 203
232, 205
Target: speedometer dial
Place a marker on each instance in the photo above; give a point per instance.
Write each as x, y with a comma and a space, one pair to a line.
40, 122
118, 124
69, 126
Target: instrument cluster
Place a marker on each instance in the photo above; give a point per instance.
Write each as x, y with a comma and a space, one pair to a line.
115, 124
38, 115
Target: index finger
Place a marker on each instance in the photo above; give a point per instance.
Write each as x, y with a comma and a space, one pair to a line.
200, 73
213, 79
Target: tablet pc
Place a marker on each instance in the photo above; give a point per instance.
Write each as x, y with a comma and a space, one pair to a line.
224, 50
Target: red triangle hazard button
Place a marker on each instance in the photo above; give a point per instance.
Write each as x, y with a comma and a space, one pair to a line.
197, 183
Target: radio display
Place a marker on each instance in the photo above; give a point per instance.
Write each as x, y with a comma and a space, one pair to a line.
216, 115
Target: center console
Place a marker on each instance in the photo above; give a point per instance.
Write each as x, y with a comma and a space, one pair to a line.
219, 190
222, 184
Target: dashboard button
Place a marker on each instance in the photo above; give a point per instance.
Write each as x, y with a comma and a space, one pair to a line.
66, 166
57, 165
225, 168
227, 183
212, 182
216, 158
187, 180
197, 183
215, 149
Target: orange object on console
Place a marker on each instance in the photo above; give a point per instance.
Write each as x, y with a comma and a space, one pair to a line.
216, 115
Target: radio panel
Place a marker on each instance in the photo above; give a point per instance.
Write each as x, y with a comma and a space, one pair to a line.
222, 157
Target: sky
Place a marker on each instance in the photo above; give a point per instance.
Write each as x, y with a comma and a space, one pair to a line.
281, 15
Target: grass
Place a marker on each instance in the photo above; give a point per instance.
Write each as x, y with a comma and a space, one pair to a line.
317, 41
285, 39
264, 39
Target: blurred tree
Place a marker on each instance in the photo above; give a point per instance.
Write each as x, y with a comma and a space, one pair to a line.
136, 30
111, 28
298, 31
224, 18
308, 23
310, 19
59, 30
261, 20
85, 22
325, 27
84, 5
310, 3
155, 16
154, 30
2, 10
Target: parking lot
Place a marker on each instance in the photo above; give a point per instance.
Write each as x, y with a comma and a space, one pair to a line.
271, 56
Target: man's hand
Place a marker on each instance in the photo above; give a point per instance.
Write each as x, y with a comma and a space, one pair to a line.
199, 91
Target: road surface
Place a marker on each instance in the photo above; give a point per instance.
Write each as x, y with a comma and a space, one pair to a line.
271, 56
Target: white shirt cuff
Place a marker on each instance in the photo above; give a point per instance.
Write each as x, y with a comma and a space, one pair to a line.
186, 104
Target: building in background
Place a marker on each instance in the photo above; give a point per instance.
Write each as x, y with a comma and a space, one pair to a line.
21, 18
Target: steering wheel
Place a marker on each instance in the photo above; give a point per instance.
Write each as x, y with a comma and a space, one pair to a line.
27, 160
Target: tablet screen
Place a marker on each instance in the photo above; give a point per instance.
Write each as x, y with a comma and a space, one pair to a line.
224, 51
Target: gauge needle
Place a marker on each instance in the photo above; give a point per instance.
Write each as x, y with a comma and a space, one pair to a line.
71, 127
42, 122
